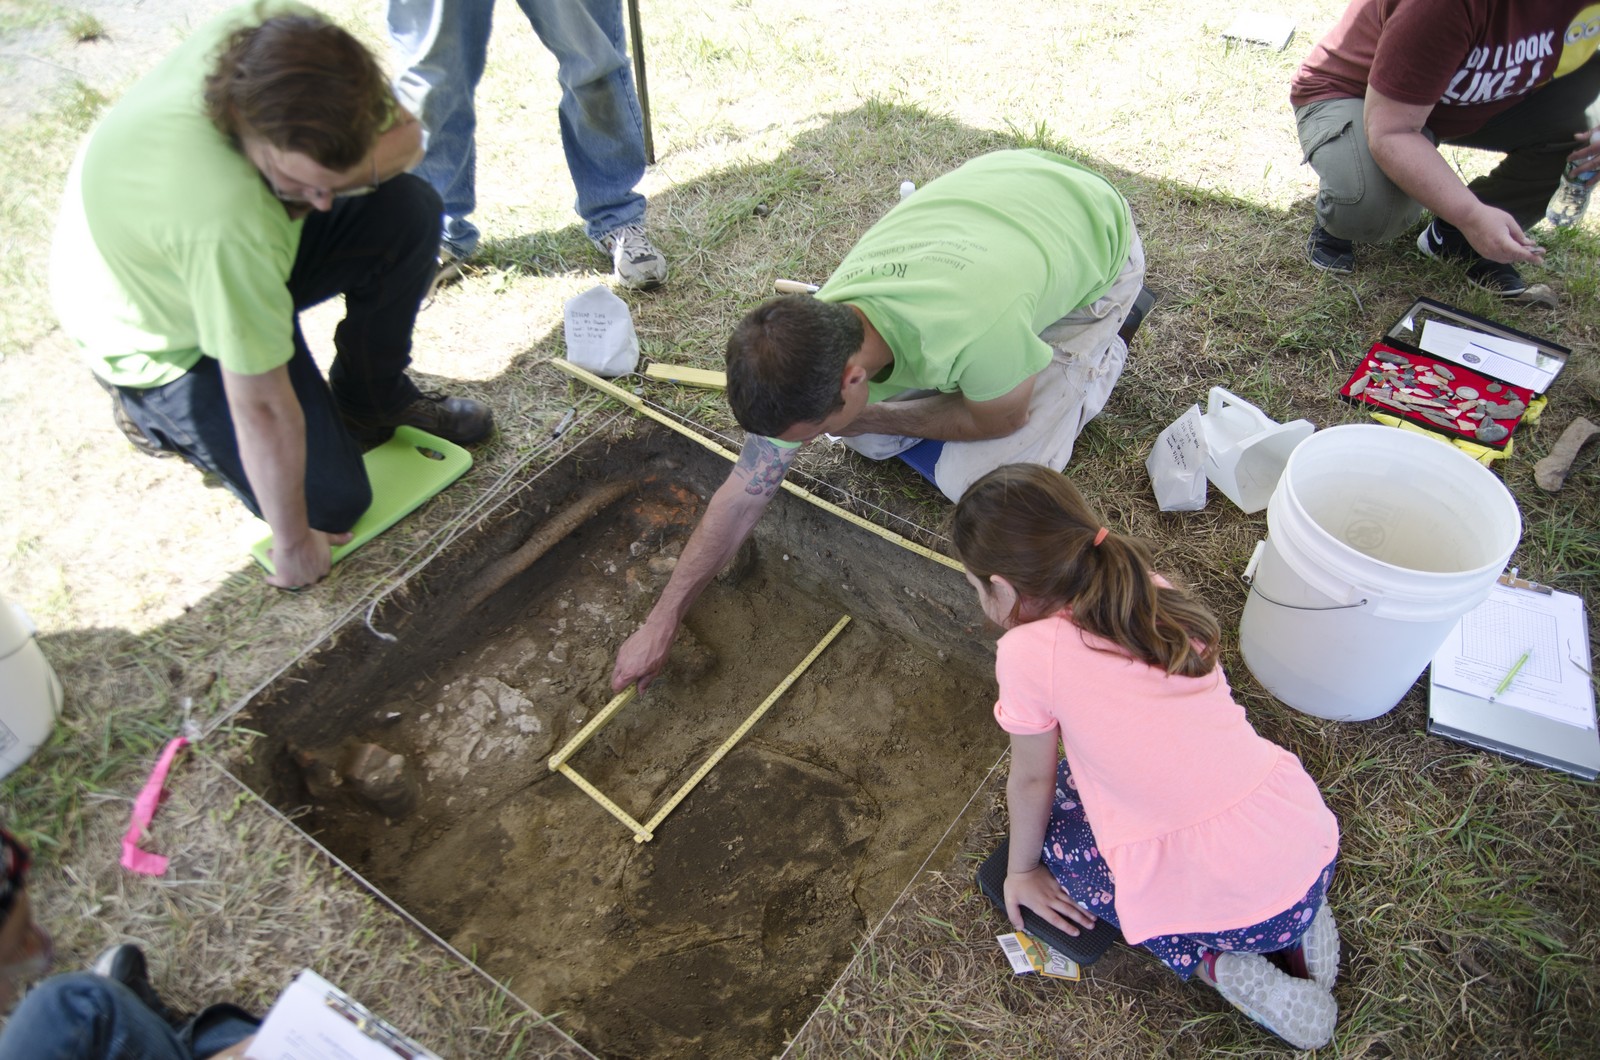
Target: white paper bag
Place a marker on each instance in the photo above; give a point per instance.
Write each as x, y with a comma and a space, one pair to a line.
1177, 464
600, 335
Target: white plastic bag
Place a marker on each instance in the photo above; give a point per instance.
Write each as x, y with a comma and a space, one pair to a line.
1177, 464
600, 335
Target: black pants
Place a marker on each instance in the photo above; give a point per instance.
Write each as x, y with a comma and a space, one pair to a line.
377, 250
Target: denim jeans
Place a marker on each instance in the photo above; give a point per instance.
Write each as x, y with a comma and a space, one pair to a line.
443, 45
83, 1016
378, 251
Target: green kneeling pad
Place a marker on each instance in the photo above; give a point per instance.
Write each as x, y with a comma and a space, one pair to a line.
404, 471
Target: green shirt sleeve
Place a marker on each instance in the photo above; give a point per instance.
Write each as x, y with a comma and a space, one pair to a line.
243, 312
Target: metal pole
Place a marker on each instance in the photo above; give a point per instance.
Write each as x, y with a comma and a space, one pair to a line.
640, 82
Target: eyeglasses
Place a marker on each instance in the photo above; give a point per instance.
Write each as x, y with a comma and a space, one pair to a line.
301, 200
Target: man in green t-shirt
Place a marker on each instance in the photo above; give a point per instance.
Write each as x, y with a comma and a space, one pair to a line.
987, 313
259, 170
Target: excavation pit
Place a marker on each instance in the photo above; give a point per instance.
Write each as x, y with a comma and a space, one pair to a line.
423, 762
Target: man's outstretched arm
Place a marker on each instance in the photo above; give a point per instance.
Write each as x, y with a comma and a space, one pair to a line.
734, 510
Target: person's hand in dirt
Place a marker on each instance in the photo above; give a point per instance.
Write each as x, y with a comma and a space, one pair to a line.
304, 561
643, 656
729, 519
1038, 889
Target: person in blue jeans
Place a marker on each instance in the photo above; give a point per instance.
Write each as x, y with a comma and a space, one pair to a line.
443, 45
96, 1016
110, 1013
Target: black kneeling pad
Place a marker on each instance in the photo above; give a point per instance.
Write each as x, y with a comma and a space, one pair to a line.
1084, 947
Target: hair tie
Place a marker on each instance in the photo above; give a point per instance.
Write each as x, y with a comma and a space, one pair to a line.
1100, 535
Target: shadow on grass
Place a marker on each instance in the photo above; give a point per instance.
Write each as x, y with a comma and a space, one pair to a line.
1468, 886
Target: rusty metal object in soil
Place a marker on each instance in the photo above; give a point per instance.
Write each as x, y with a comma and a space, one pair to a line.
542, 540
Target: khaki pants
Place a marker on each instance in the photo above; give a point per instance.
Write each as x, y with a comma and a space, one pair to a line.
1068, 393
1358, 201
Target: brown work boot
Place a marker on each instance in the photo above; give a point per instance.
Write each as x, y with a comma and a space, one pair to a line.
455, 419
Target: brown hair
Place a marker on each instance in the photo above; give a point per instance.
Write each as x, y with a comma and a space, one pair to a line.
786, 359
1031, 526
303, 85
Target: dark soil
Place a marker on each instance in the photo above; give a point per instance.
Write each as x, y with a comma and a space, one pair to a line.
719, 936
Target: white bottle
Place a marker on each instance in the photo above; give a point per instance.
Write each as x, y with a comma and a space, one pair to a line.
1572, 196
30, 693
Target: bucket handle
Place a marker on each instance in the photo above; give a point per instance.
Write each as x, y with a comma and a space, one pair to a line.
1249, 578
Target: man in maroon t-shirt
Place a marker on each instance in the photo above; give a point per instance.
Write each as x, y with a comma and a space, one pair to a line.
1395, 78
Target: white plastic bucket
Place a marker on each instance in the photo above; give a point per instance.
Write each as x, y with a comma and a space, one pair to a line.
1246, 449
30, 694
1378, 541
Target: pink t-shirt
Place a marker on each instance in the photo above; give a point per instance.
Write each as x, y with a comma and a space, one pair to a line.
1470, 59
1205, 825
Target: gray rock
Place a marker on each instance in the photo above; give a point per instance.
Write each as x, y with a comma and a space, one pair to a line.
1490, 432
380, 778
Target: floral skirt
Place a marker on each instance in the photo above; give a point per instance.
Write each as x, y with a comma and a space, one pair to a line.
1073, 857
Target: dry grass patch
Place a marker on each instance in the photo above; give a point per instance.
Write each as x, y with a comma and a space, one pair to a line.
1468, 883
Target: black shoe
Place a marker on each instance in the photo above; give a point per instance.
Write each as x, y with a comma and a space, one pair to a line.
1136, 314
1444, 240
459, 420
125, 964
1330, 253
130, 430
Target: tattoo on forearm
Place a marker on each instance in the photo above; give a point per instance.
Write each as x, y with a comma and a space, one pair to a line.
765, 463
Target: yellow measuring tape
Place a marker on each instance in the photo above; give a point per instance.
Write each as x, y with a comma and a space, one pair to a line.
589, 730
634, 402
643, 833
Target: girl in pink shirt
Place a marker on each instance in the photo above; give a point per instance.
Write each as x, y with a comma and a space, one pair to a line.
1168, 815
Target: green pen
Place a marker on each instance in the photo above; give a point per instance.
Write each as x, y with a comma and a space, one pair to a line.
1505, 682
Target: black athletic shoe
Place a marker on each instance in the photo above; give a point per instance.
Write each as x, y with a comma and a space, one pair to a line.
459, 420
1330, 253
125, 963
1444, 240
1136, 314
130, 430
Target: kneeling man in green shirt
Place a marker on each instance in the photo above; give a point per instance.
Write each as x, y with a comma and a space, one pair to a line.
259, 170
985, 312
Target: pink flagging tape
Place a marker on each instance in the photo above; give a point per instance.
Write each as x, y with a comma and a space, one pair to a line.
144, 811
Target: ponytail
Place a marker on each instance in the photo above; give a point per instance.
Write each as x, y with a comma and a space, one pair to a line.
1031, 526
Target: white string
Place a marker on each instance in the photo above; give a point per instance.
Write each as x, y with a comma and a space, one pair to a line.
377, 892
861, 950
469, 518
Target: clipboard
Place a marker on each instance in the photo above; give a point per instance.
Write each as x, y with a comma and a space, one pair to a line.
1515, 677
315, 1020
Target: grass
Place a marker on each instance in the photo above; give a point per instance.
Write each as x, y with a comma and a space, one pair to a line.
1468, 884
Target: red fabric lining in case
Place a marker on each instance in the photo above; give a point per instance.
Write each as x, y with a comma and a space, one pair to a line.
1388, 395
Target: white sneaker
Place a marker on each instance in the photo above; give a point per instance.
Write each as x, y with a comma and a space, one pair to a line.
1299, 1011
635, 261
1320, 948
